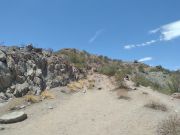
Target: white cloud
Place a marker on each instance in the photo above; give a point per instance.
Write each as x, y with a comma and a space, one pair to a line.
96, 35
167, 32
140, 45
145, 59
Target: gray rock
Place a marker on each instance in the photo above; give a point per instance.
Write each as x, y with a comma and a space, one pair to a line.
38, 81
30, 72
21, 89
20, 79
13, 117
38, 72
30, 69
2, 56
2, 128
50, 107
5, 81
10, 62
9, 95
3, 66
3, 96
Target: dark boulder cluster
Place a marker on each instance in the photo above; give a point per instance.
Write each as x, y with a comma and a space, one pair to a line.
24, 69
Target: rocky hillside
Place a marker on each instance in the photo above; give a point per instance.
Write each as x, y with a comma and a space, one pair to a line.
29, 69
24, 69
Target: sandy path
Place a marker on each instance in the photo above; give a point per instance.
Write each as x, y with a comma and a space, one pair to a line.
96, 112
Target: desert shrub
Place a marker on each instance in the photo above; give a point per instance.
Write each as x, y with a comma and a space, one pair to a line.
170, 126
141, 69
174, 84
47, 95
156, 106
159, 69
72, 56
142, 80
32, 98
120, 75
109, 70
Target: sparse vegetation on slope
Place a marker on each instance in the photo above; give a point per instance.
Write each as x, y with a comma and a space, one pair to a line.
174, 84
170, 126
156, 106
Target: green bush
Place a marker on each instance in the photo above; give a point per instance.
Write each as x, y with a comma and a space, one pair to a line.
141, 69
142, 80
120, 75
174, 84
109, 70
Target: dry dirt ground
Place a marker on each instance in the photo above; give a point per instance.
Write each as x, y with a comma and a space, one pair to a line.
95, 112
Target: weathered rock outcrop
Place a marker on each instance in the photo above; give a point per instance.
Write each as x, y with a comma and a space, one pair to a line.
24, 69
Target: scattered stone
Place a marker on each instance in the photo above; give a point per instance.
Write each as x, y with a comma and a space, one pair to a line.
134, 88
13, 117
2, 128
18, 107
176, 95
99, 88
50, 107
84, 91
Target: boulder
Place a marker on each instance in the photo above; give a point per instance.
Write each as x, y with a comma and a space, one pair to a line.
21, 89
2, 96
38, 81
3, 66
38, 72
5, 81
2, 56
13, 117
20, 79
30, 72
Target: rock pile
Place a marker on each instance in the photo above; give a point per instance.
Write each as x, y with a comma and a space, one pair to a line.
24, 69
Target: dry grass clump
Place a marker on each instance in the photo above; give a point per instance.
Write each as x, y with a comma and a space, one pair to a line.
91, 84
123, 94
84, 83
156, 106
170, 126
32, 98
47, 95
75, 86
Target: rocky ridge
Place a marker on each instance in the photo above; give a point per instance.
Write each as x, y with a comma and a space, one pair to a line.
29, 69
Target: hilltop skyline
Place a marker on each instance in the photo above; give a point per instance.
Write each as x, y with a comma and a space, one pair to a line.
148, 31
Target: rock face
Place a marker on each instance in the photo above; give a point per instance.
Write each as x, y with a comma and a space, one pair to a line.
13, 117
24, 69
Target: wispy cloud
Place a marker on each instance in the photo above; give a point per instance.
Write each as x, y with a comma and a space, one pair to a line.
96, 35
166, 32
141, 44
169, 31
145, 59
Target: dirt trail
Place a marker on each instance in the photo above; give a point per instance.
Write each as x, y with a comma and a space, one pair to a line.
96, 112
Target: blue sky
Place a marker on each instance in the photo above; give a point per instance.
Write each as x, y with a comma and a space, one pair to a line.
145, 30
